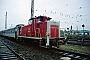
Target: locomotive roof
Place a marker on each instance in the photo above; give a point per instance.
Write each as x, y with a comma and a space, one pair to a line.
48, 18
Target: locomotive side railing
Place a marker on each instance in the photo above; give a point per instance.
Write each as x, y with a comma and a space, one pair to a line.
38, 29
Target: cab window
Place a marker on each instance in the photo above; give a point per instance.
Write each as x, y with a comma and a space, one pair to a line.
39, 20
30, 22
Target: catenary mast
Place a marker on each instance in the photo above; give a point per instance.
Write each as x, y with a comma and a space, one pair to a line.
32, 10
6, 21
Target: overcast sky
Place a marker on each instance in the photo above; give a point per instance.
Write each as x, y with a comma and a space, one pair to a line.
68, 12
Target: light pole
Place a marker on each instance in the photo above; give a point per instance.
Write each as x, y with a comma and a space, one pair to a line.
68, 32
83, 34
6, 21
83, 28
71, 29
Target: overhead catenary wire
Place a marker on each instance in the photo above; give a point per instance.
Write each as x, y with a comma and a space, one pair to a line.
69, 16
62, 14
15, 6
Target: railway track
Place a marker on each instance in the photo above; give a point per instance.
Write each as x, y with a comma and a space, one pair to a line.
65, 53
60, 53
6, 53
72, 55
79, 42
30, 52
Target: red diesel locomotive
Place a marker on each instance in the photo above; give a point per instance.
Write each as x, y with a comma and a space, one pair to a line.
40, 29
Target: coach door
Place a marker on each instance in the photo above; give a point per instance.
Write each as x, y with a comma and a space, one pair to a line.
17, 31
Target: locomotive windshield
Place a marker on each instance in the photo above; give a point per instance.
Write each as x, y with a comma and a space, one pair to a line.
30, 22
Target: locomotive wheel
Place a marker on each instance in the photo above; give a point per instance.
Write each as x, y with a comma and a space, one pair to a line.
60, 42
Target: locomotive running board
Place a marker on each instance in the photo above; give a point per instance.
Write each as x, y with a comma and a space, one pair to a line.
29, 37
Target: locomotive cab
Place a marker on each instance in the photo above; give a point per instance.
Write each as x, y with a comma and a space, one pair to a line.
39, 19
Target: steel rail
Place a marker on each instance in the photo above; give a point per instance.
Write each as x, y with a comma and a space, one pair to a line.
20, 57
